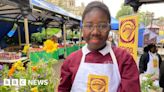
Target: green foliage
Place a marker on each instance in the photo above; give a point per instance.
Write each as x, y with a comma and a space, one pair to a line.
44, 71
51, 31
73, 34
125, 10
144, 17
4, 71
39, 37
147, 84
160, 21
3, 75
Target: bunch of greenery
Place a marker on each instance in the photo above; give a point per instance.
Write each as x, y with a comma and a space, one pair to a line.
39, 37
148, 84
32, 71
39, 71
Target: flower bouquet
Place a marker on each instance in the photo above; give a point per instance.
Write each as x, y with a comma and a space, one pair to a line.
32, 77
148, 85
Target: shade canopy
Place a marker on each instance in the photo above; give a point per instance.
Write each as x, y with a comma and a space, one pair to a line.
114, 24
37, 12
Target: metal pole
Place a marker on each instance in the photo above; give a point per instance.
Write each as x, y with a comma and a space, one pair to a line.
64, 31
26, 33
145, 20
19, 35
46, 33
80, 37
151, 20
26, 30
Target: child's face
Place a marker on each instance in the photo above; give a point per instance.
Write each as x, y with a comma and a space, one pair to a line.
95, 28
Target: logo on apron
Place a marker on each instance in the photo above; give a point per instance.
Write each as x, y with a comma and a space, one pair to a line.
97, 83
155, 63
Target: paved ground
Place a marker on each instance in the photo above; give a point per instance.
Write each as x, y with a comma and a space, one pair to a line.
57, 67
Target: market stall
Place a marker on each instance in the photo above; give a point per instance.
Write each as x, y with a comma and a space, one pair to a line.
39, 13
24, 15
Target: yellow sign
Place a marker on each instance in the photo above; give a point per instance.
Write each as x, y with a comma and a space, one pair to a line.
128, 31
97, 83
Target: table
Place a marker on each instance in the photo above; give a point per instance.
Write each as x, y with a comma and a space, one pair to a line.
10, 62
13, 61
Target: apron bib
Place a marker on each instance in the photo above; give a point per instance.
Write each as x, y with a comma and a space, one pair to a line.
95, 77
153, 64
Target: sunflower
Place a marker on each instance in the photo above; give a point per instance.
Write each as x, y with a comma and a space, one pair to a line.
50, 46
19, 65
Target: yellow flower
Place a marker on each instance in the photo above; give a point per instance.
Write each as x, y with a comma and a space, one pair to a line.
25, 49
20, 68
19, 65
50, 46
35, 89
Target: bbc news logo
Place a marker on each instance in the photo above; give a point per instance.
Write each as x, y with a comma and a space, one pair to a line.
23, 82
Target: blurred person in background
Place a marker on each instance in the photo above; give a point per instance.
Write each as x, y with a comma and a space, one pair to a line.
150, 61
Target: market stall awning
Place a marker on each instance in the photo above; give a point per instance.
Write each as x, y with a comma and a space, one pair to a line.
114, 24
51, 7
137, 3
39, 12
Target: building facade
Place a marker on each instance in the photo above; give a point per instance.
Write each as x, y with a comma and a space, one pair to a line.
69, 5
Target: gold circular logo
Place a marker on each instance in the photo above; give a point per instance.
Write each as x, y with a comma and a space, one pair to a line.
98, 85
127, 33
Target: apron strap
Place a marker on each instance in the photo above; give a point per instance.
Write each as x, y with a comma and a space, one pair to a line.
115, 61
85, 51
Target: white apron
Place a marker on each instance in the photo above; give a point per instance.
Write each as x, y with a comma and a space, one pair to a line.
153, 64
153, 67
95, 77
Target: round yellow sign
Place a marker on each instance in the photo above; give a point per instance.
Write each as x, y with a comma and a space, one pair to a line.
127, 33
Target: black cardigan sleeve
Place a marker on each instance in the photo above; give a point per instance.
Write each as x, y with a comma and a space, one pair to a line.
160, 59
161, 75
144, 59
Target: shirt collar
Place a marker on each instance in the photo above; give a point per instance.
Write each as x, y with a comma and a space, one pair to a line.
104, 51
152, 53
85, 49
